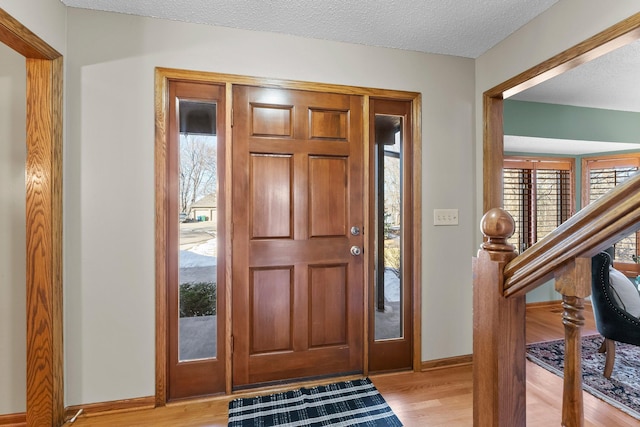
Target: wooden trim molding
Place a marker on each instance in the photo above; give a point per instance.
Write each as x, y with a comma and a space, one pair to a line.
161, 232
14, 420
22, 40
112, 407
417, 231
544, 304
602, 43
447, 362
45, 391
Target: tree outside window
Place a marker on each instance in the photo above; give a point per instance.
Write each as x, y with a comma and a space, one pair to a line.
539, 195
600, 175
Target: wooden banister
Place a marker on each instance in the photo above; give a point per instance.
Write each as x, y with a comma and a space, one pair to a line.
591, 230
500, 281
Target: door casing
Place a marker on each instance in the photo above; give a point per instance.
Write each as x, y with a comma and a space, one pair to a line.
43, 172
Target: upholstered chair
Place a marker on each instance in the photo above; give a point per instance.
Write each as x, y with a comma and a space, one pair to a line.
613, 321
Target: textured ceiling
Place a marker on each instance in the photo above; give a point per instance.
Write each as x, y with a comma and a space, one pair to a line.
611, 81
466, 28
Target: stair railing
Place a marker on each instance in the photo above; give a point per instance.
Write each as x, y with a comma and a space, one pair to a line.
501, 278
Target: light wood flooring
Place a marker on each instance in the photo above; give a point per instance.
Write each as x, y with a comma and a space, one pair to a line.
441, 397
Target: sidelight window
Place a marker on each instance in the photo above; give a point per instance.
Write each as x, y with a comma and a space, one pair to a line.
198, 189
388, 271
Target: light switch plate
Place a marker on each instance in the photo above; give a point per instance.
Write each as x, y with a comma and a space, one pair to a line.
445, 217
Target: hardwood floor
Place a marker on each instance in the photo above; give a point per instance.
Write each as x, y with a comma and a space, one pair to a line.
441, 397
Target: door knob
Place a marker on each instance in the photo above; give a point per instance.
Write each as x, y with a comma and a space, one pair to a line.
355, 250
355, 230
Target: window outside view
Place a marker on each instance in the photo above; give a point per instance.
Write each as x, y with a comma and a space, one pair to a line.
539, 200
600, 182
388, 313
538, 197
197, 276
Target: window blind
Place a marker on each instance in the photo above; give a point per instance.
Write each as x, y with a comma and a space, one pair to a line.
538, 195
603, 179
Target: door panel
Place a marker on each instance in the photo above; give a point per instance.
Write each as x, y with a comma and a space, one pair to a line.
328, 305
271, 196
271, 324
298, 296
328, 194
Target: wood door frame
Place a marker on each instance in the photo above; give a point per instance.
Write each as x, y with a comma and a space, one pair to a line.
604, 42
45, 391
162, 78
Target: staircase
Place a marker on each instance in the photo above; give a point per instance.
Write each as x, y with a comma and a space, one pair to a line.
501, 278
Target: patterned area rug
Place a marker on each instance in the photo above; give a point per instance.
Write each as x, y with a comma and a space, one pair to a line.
622, 390
349, 403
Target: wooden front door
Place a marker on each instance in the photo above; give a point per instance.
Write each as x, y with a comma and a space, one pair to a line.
298, 293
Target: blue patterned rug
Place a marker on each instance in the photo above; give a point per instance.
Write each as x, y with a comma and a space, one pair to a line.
348, 403
622, 390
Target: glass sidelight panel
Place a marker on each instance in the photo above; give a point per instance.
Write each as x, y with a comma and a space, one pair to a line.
388, 321
197, 270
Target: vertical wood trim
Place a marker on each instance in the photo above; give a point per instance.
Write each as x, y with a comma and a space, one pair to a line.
493, 152
43, 169
416, 110
161, 233
368, 227
228, 220
45, 391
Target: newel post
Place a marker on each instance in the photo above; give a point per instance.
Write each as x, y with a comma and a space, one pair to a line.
499, 381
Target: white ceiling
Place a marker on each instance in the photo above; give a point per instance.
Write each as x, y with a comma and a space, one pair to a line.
611, 81
465, 28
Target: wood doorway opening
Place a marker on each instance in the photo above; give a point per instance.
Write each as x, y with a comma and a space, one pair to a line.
43, 172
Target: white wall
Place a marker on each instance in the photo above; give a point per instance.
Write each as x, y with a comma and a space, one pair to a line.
13, 153
109, 178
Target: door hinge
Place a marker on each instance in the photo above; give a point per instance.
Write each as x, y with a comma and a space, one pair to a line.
231, 117
232, 341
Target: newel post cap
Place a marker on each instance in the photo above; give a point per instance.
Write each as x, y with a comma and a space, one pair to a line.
497, 226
